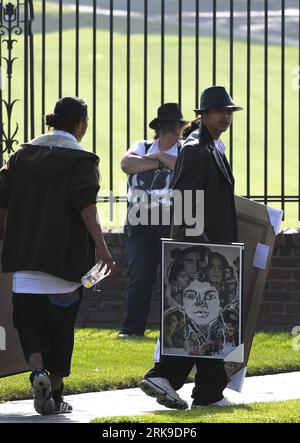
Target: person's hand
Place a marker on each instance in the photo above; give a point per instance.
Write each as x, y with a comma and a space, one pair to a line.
103, 254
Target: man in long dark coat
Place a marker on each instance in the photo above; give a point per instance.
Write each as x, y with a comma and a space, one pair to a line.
201, 165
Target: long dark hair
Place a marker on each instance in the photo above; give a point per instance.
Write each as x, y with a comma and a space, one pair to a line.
190, 127
164, 125
68, 112
197, 123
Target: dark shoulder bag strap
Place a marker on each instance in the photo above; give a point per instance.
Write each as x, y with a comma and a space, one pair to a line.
147, 146
179, 145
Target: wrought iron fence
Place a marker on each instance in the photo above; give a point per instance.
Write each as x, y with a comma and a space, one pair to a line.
15, 20
129, 56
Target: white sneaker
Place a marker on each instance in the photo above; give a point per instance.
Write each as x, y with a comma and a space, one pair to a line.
41, 389
165, 395
221, 403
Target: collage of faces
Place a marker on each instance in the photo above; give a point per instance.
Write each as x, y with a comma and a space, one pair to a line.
201, 300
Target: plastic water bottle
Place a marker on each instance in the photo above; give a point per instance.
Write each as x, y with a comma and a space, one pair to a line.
94, 275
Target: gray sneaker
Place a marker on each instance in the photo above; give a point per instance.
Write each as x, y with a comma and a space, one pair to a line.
165, 395
41, 389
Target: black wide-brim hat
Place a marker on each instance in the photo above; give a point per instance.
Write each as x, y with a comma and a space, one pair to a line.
216, 97
167, 111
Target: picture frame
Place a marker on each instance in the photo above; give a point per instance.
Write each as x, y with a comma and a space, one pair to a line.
201, 300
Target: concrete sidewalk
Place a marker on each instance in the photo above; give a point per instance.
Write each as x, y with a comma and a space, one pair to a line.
86, 407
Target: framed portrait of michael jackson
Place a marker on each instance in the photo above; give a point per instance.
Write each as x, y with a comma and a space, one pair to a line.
201, 299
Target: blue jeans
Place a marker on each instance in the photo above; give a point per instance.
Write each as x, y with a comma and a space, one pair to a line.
143, 250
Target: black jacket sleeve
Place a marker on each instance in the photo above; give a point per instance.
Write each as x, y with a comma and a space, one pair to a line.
190, 167
84, 184
6, 175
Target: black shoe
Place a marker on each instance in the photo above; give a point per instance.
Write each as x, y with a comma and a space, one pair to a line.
61, 406
41, 389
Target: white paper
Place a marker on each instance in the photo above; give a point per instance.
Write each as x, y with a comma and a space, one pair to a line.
275, 216
237, 355
237, 380
156, 355
261, 256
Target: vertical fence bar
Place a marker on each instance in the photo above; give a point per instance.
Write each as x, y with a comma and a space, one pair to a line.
94, 75
31, 59
10, 72
282, 103
145, 65
231, 78
266, 104
179, 51
111, 76
197, 54
214, 54
25, 75
162, 52
43, 63
77, 50
248, 189
128, 101
298, 83
60, 50
1, 98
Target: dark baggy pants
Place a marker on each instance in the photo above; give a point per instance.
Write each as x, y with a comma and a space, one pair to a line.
210, 379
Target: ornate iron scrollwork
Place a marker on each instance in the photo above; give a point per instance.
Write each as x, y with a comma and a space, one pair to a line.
10, 24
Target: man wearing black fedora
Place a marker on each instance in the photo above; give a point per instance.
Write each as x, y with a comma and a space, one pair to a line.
149, 165
201, 165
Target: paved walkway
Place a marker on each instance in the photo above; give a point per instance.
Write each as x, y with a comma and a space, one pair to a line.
133, 401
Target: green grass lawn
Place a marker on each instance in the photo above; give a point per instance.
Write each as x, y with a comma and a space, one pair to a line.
112, 149
275, 412
102, 361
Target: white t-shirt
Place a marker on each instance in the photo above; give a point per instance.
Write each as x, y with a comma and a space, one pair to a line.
139, 148
35, 282
155, 182
219, 145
